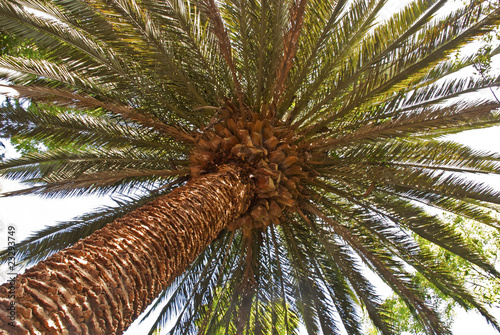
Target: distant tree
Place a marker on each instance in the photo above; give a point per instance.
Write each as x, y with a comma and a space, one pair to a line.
6, 43
484, 285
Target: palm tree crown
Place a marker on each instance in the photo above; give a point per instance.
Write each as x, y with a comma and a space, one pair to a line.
332, 111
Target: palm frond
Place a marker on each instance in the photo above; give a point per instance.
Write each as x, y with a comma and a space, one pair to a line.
462, 207
100, 183
357, 20
422, 121
63, 173
46, 123
429, 319
62, 164
424, 261
211, 10
467, 23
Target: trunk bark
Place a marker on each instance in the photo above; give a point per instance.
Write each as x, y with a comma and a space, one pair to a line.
101, 284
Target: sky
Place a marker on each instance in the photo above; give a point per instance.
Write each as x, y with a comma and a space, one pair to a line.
30, 213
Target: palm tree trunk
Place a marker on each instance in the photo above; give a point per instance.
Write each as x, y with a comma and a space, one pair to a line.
101, 284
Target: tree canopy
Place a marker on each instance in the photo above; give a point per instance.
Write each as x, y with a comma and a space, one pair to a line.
335, 112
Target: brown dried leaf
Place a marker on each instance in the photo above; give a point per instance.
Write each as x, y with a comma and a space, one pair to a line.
264, 184
271, 143
256, 138
259, 212
289, 161
276, 156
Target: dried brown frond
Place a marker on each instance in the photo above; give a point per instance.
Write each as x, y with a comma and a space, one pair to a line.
212, 11
290, 45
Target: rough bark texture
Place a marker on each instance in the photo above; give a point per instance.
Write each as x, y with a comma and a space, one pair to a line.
100, 285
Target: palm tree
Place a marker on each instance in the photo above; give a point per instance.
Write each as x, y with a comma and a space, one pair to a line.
273, 151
